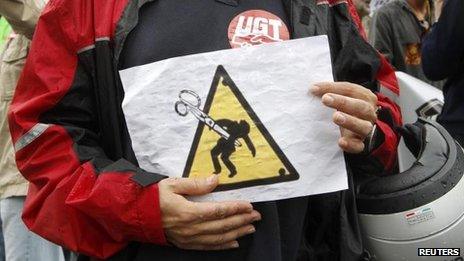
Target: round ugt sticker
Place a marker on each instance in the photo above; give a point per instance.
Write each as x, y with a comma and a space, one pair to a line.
255, 27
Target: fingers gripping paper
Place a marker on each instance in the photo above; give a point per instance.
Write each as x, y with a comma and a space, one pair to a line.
242, 114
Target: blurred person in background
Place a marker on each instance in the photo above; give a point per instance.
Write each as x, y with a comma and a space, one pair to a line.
376, 4
363, 10
4, 33
443, 58
5, 30
373, 6
397, 30
20, 243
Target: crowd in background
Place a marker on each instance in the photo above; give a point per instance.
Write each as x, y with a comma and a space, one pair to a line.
425, 39
414, 35
396, 28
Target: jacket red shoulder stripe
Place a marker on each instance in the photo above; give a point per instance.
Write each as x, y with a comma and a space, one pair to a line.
95, 214
386, 153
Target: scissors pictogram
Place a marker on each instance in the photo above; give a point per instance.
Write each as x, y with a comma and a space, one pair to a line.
190, 102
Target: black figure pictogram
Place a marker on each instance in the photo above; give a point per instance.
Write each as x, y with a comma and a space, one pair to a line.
225, 147
231, 135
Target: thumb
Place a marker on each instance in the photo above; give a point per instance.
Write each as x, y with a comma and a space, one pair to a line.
195, 186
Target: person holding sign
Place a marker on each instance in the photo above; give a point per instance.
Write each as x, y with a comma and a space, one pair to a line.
88, 192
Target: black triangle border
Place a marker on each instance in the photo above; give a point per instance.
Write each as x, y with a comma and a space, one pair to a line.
221, 72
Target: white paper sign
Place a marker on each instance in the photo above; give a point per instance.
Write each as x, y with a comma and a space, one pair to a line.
244, 114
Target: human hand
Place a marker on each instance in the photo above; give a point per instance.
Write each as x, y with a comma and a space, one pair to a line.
356, 111
202, 225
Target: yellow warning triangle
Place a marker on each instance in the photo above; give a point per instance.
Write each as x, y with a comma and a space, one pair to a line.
249, 156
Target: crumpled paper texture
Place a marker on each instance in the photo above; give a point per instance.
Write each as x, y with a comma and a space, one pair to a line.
275, 79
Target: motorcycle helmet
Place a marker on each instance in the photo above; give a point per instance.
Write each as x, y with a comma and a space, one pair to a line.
422, 207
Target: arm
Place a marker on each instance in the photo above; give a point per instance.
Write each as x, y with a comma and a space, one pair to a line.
357, 106
381, 33
79, 197
21, 14
384, 155
250, 145
443, 47
71, 202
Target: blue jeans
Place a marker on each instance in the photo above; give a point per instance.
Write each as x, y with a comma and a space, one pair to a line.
2, 245
20, 243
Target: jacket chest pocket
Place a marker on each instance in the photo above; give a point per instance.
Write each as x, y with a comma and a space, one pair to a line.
12, 63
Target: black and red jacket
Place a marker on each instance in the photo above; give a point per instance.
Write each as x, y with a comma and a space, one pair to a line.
72, 144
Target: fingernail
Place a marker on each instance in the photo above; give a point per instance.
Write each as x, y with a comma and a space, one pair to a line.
314, 89
212, 179
251, 230
328, 99
340, 118
256, 217
235, 244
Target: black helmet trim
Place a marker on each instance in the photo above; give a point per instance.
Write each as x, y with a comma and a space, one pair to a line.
398, 193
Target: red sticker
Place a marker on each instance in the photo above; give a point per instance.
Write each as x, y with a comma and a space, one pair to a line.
257, 27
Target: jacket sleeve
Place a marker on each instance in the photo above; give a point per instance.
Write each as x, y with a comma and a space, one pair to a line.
443, 47
22, 15
383, 158
386, 144
380, 34
72, 202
